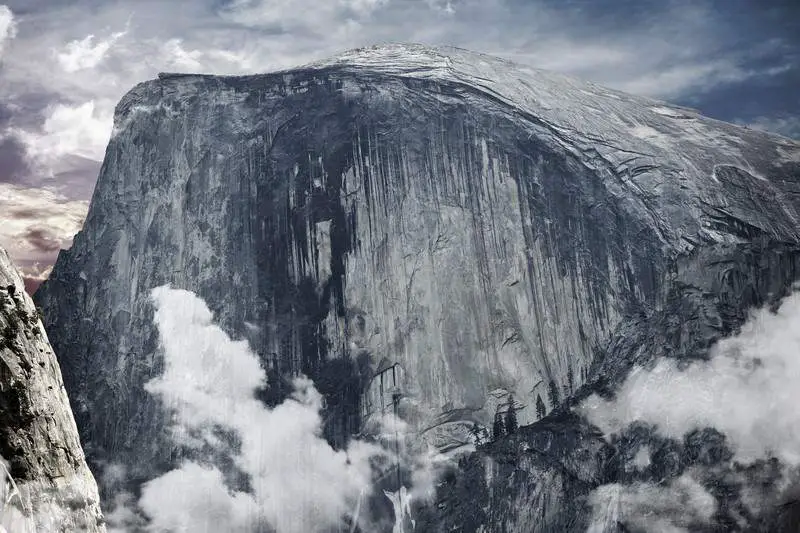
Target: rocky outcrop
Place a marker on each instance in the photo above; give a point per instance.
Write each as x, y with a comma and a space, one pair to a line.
483, 228
46, 484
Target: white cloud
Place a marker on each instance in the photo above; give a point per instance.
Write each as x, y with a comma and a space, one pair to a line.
788, 126
176, 55
747, 390
195, 498
86, 53
8, 27
80, 130
365, 6
445, 6
681, 79
270, 12
313, 15
573, 56
299, 483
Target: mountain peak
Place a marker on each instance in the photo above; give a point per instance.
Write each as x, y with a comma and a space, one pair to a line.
474, 225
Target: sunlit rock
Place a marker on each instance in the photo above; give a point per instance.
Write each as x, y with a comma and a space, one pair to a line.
45, 484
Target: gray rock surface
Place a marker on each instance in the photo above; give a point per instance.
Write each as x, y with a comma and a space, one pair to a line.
490, 228
46, 485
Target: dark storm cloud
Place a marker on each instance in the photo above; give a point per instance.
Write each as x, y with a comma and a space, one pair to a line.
735, 60
29, 109
77, 181
42, 240
777, 97
14, 167
5, 114
766, 34
27, 213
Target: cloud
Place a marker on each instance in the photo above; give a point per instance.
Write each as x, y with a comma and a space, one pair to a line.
695, 78
13, 159
8, 27
195, 498
294, 15
443, 5
43, 240
295, 481
747, 390
787, 125
79, 130
299, 484
365, 6
86, 53
34, 221
670, 508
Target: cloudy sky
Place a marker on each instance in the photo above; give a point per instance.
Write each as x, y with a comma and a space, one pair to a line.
65, 63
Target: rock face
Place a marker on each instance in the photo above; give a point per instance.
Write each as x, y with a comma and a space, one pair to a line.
482, 228
46, 483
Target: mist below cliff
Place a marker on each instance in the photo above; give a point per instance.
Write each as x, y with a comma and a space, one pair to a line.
737, 411
254, 468
249, 467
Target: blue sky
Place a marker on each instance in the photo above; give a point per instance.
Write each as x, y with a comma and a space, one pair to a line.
65, 63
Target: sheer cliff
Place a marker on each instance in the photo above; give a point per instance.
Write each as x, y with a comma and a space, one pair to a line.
46, 483
473, 227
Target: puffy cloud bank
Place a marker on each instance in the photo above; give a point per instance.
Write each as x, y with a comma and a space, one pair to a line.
297, 482
87, 53
747, 390
70, 130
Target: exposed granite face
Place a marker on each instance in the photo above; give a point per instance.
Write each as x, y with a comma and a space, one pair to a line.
40, 454
489, 227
